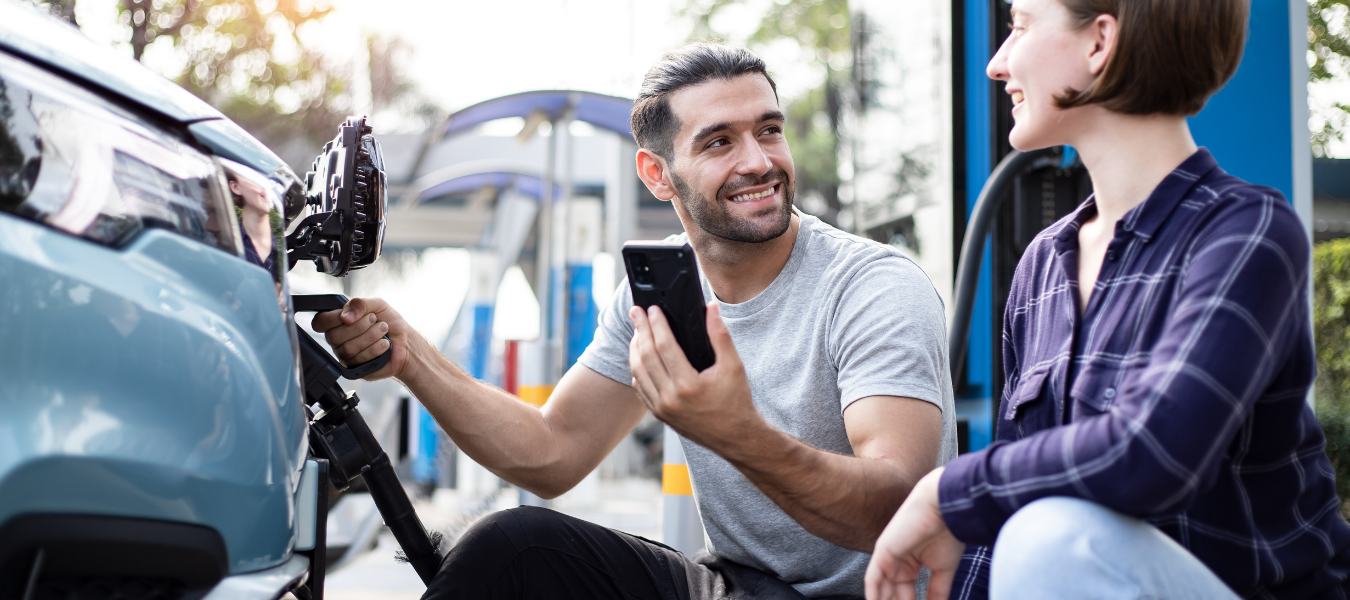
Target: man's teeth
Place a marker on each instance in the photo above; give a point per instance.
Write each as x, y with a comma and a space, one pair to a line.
756, 196
1017, 98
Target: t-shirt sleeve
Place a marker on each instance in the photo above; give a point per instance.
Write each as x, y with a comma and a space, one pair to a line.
608, 352
889, 337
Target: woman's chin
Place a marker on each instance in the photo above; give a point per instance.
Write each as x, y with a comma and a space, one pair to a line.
1022, 138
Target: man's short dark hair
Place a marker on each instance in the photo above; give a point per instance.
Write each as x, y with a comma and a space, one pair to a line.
654, 124
1170, 55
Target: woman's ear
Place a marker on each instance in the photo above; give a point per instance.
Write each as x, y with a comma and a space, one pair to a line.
652, 170
1103, 30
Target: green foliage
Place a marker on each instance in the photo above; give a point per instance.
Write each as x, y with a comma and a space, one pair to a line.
245, 58
1331, 327
820, 28
1329, 50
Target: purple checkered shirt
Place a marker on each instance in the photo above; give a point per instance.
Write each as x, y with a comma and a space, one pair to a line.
1178, 397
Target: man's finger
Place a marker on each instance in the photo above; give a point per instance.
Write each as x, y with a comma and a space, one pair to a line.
642, 382
342, 334
672, 355
644, 346
364, 347
724, 350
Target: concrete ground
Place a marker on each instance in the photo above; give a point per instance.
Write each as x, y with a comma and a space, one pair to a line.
630, 504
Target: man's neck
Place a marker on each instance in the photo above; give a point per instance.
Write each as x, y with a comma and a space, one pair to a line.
739, 271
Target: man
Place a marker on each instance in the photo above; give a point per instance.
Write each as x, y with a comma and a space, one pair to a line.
830, 396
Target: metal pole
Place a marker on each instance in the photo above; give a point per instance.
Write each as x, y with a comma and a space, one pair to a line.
681, 527
544, 256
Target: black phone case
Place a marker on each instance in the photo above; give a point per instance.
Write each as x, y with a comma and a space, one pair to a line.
666, 275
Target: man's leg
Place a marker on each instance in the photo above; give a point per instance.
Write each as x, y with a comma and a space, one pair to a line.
531, 552
1071, 548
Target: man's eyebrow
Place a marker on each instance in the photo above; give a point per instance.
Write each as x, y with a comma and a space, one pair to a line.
707, 132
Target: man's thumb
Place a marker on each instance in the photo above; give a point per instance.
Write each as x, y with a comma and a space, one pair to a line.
719, 335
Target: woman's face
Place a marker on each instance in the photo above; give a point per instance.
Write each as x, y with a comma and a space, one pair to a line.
255, 198
1043, 57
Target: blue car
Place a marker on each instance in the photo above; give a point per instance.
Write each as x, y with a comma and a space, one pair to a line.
154, 433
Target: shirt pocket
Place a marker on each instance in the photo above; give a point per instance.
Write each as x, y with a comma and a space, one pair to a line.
1095, 389
1029, 408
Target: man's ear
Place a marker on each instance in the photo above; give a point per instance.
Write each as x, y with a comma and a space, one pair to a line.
1103, 30
652, 169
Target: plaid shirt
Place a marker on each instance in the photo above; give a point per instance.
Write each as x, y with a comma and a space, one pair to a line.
1178, 397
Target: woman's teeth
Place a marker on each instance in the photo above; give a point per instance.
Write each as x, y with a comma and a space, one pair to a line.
1017, 98
756, 196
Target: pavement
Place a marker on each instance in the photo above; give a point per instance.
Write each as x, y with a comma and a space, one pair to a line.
633, 505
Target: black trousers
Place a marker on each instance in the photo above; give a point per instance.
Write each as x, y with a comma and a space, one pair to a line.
530, 552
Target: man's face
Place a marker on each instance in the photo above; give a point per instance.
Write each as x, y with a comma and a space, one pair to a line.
731, 167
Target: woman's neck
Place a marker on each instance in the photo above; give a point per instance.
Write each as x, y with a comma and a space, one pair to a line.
1127, 156
259, 228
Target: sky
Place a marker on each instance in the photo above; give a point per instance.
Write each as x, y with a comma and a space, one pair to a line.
466, 52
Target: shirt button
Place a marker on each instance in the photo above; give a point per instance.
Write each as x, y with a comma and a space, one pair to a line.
1110, 393
1111, 255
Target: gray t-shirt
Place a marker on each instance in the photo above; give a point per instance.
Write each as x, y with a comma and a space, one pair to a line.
847, 318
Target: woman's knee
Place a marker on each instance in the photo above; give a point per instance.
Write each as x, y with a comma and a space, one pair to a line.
1048, 534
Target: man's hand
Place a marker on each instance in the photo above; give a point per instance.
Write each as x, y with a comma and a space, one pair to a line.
357, 332
916, 537
710, 407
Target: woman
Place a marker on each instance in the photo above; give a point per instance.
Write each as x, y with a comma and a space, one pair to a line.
1154, 437
255, 220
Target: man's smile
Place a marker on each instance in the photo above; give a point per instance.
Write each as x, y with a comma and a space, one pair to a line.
754, 194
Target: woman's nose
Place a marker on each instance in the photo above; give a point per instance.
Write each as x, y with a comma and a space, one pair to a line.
998, 65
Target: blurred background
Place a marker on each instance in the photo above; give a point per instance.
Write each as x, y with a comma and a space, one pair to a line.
484, 109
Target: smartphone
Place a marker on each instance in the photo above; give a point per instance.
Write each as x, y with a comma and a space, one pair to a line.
665, 274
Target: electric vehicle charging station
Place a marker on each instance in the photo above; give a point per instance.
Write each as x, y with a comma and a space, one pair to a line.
1256, 127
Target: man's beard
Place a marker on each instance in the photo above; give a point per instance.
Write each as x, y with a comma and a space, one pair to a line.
712, 217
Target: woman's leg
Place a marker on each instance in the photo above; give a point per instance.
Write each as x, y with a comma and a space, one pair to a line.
1071, 548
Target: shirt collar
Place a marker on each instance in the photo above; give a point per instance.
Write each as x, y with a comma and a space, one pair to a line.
1145, 219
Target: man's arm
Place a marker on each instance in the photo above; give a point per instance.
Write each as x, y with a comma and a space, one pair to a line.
546, 451
845, 500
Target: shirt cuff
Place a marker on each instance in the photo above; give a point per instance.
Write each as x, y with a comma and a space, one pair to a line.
967, 507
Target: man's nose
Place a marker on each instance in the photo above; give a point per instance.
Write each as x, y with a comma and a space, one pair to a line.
752, 158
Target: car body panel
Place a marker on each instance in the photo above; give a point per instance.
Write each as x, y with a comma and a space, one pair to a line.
152, 381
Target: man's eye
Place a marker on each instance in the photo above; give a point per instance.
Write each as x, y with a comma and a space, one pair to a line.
773, 130
717, 143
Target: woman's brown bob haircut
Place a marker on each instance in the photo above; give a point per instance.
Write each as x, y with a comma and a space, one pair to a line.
1170, 55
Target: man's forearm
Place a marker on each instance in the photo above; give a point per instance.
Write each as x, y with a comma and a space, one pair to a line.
509, 437
845, 500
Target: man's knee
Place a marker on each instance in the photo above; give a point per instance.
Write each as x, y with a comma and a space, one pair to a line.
1049, 534
475, 565
510, 529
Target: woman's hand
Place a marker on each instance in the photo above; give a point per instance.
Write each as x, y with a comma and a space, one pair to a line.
916, 537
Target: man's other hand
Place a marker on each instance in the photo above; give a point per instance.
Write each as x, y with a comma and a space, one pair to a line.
712, 407
357, 331
916, 537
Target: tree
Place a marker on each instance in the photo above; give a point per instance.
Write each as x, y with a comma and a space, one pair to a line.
245, 58
1329, 54
820, 28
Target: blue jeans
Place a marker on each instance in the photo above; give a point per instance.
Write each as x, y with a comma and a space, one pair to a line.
1071, 548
